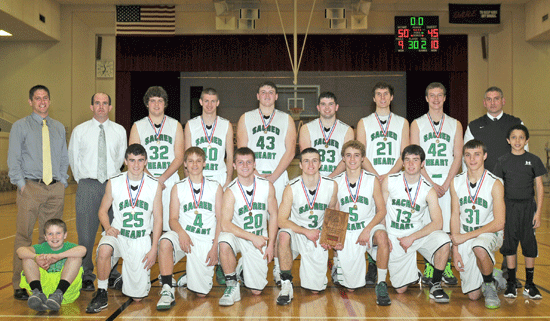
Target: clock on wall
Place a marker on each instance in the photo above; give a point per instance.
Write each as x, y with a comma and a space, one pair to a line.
104, 68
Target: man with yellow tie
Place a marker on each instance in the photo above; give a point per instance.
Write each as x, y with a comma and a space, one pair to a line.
38, 163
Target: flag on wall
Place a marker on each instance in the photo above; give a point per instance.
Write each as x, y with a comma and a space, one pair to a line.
145, 20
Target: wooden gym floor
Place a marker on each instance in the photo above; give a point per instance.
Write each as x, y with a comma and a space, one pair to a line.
334, 303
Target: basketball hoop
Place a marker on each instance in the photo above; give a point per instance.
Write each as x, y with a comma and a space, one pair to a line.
296, 111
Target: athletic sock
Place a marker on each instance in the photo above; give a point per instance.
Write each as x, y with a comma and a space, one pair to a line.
437, 275
63, 285
231, 276
36, 285
276, 262
512, 275
381, 275
286, 275
487, 278
166, 279
529, 274
103, 284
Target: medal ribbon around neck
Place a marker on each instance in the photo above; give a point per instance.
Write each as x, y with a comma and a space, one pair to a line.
195, 201
157, 134
133, 200
413, 203
263, 119
354, 198
330, 132
248, 204
437, 133
474, 199
209, 138
311, 203
384, 130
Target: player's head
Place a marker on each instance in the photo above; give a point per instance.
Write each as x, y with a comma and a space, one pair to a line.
413, 150
194, 150
136, 150
269, 84
353, 154
436, 85
473, 144
475, 154
382, 95
327, 105
55, 233
494, 100
156, 99
518, 137
436, 95
209, 100
310, 161
194, 160
244, 162
354, 144
518, 127
267, 94
101, 106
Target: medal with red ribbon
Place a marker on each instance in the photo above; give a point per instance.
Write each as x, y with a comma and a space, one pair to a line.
354, 197
384, 130
134, 200
157, 133
311, 202
327, 139
263, 119
437, 133
243, 192
413, 203
474, 199
196, 201
211, 136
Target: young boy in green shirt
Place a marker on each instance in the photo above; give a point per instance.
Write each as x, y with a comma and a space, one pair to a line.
52, 268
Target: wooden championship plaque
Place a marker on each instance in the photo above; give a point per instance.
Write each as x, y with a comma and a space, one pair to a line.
335, 226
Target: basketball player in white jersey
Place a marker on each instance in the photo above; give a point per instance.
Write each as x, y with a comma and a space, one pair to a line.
360, 194
301, 216
162, 137
327, 134
249, 226
409, 198
136, 199
195, 207
477, 223
383, 133
441, 138
214, 135
271, 134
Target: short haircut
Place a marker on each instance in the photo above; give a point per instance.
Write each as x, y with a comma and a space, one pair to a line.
494, 88
327, 94
136, 150
383, 85
210, 91
413, 150
519, 127
56, 222
38, 87
194, 150
435, 85
474, 143
309, 150
93, 96
243, 151
268, 83
354, 144
155, 91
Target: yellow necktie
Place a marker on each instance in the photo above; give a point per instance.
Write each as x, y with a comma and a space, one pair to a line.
46, 155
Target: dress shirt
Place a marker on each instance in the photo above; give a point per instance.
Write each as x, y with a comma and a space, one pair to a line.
83, 148
25, 150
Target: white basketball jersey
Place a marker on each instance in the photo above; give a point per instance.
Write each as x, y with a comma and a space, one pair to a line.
400, 219
301, 213
268, 143
160, 152
200, 220
330, 150
383, 150
215, 150
137, 221
439, 151
362, 209
251, 220
478, 214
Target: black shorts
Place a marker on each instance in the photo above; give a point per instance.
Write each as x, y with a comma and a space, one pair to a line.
519, 228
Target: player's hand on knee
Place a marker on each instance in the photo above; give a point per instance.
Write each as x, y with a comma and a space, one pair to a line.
259, 242
185, 242
112, 232
149, 259
212, 257
312, 235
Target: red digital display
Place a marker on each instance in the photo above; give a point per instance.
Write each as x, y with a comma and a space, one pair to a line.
417, 33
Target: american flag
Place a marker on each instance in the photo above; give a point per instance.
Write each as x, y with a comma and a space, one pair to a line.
145, 20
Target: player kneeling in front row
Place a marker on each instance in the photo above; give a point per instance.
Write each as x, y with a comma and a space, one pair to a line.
137, 205
301, 216
360, 194
409, 197
477, 220
249, 225
195, 206
52, 268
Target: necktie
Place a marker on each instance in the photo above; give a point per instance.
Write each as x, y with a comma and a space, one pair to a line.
101, 156
46, 155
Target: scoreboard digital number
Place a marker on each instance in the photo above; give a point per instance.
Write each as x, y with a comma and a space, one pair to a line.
417, 33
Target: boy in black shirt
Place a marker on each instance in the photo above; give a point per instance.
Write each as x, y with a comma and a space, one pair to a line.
520, 171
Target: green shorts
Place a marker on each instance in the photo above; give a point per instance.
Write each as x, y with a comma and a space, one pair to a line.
50, 280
